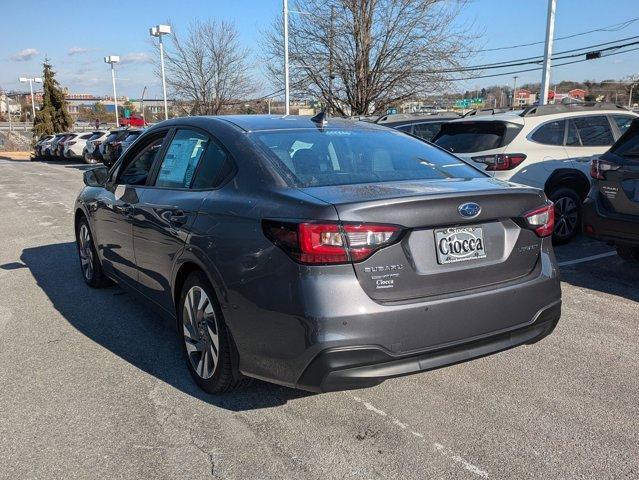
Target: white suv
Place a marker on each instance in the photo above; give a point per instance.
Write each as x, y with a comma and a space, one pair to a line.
548, 147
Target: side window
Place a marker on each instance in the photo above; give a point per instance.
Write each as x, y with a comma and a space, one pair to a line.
405, 128
623, 122
427, 130
572, 139
137, 171
551, 133
86, 137
215, 166
181, 160
594, 131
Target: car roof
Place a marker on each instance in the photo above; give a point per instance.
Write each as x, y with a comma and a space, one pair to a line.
515, 116
252, 123
512, 117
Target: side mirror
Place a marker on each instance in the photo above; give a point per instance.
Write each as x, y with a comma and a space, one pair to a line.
96, 177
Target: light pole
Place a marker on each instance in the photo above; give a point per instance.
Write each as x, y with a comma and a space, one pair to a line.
112, 60
515, 90
31, 81
550, 32
158, 31
286, 86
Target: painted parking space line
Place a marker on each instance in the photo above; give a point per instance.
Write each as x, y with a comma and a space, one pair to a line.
437, 447
587, 259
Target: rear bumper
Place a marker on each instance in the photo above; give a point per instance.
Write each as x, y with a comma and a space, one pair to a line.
607, 226
360, 367
329, 335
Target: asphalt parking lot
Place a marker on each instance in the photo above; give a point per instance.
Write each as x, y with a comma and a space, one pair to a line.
92, 384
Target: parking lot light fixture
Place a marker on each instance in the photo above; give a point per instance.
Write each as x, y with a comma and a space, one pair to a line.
159, 31
112, 60
31, 82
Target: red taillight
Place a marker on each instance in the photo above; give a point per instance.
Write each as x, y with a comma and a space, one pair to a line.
598, 168
501, 161
329, 243
542, 220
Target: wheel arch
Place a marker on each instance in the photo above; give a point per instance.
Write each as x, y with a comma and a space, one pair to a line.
568, 178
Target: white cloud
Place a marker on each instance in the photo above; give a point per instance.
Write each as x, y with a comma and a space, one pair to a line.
24, 55
77, 51
136, 58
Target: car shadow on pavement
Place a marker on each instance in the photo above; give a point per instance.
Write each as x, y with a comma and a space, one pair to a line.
609, 275
136, 333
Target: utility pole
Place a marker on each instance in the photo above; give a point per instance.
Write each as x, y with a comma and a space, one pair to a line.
142, 104
550, 33
514, 90
330, 60
9, 112
630, 96
286, 86
112, 60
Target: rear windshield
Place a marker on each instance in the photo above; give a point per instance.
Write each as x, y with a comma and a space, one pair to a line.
467, 137
342, 157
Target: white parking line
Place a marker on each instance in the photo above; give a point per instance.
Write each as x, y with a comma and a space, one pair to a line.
441, 449
587, 259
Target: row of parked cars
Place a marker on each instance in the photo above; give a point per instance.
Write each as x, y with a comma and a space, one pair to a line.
92, 147
551, 147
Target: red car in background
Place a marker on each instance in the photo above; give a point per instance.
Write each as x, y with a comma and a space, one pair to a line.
132, 121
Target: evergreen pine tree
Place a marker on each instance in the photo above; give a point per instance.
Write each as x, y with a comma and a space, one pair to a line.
53, 117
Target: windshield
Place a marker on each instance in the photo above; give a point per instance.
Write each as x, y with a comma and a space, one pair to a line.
341, 157
467, 137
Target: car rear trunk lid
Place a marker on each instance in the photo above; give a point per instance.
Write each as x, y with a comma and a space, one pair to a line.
429, 212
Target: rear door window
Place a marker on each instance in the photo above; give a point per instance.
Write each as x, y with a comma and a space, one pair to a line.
467, 137
551, 133
594, 131
181, 160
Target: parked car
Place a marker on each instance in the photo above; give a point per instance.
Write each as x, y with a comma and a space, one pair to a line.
74, 147
548, 147
93, 150
59, 150
132, 121
42, 143
319, 254
110, 148
116, 147
611, 211
422, 126
51, 149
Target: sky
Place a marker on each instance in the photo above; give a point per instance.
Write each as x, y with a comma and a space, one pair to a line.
76, 35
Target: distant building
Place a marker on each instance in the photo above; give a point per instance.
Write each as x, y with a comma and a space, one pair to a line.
578, 93
525, 97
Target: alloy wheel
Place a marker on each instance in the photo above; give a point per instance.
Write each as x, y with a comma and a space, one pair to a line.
86, 251
566, 217
201, 333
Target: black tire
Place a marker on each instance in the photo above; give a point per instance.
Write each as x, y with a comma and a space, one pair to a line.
87, 160
90, 264
568, 211
628, 253
209, 321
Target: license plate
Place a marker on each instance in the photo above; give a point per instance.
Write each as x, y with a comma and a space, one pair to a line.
459, 244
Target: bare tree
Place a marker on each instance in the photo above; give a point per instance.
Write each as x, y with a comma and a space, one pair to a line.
206, 69
362, 56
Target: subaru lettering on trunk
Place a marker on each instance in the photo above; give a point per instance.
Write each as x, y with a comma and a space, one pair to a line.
459, 244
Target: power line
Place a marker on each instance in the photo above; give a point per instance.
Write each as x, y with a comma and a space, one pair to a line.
536, 68
539, 58
611, 28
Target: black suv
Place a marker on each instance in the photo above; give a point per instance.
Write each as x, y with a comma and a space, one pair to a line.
112, 144
422, 126
611, 211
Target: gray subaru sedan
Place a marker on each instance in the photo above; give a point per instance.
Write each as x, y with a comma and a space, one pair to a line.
318, 253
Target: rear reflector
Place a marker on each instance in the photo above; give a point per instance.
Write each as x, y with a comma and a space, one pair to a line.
542, 220
329, 243
501, 161
598, 168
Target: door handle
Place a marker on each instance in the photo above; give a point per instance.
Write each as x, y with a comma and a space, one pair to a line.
178, 217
